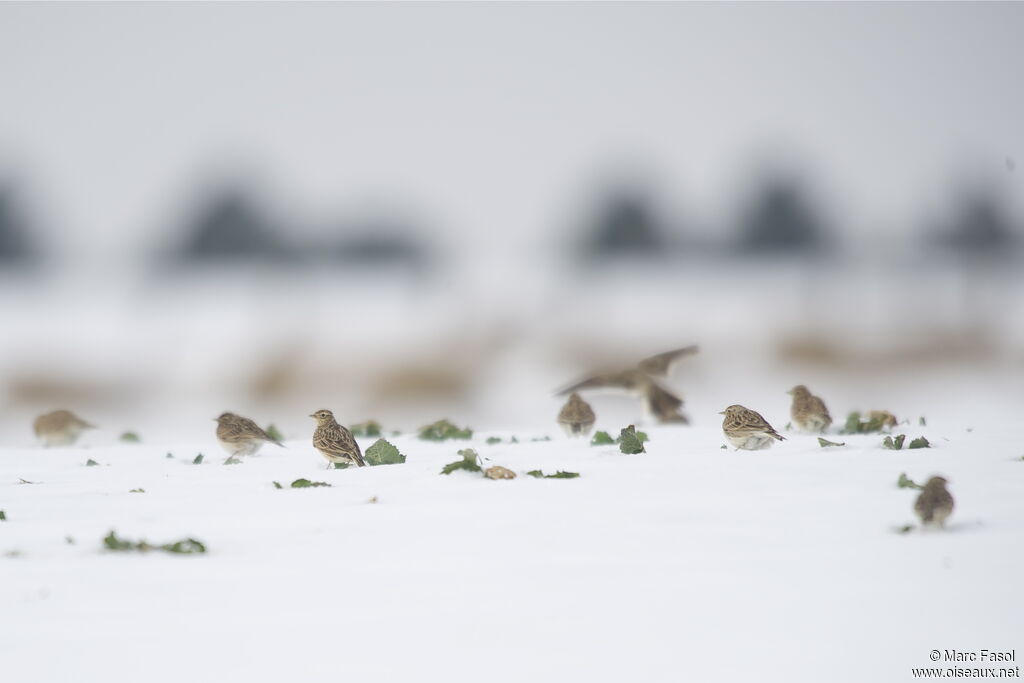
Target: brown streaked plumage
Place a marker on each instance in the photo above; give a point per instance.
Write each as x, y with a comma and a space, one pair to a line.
241, 436
808, 411
746, 429
59, 428
935, 503
334, 441
576, 417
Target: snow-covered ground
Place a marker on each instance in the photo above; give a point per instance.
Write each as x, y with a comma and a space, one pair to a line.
688, 562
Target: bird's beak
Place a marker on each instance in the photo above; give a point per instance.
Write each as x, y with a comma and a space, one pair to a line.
312, 415
722, 413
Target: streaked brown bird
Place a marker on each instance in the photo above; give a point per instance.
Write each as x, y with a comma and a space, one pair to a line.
334, 441
576, 417
639, 380
808, 411
935, 504
746, 429
241, 436
59, 428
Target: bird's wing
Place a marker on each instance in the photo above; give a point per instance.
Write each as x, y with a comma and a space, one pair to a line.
661, 364
628, 380
251, 429
818, 406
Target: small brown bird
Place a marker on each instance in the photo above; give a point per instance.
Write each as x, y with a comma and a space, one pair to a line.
746, 429
241, 436
335, 442
808, 411
60, 428
576, 416
639, 380
935, 503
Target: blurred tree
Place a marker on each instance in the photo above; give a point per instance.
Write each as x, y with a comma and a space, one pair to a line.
229, 227
780, 221
980, 228
14, 245
625, 225
381, 243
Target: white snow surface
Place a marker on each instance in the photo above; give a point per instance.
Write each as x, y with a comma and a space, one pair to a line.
688, 562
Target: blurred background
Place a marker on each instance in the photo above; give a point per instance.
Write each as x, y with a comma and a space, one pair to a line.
414, 211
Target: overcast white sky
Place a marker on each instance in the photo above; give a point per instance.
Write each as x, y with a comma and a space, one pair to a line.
495, 120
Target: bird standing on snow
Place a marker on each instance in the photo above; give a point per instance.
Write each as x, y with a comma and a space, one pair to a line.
241, 436
935, 503
746, 429
59, 428
335, 442
576, 416
808, 411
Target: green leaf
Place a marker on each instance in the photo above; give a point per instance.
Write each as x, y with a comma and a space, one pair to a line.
921, 421
629, 442
306, 484
825, 442
91, 463
919, 442
232, 460
169, 455
198, 460
513, 440
277, 484
905, 482
383, 453
894, 444
443, 430
491, 440
187, 546
541, 438
3, 516
470, 462
602, 439
852, 425
137, 491
340, 465
557, 475
274, 433
370, 428
129, 437
905, 529
724, 447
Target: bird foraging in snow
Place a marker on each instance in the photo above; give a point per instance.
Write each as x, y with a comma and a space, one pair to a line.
808, 411
334, 441
935, 503
746, 429
576, 417
59, 428
241, 436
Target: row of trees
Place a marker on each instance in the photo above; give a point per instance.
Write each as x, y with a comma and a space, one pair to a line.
781, 220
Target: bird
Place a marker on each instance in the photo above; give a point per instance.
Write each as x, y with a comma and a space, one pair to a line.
335, 442
808, 411
576, 416
639, 380
662, 364
241, 436
935, 503
746, 429
60, 428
